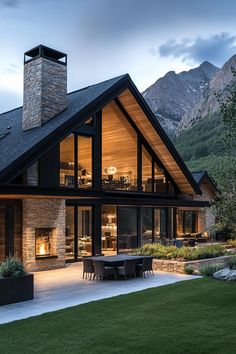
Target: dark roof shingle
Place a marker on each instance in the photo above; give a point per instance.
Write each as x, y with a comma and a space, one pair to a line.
17, 142
198, 175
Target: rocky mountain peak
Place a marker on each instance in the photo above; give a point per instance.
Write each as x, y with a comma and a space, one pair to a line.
173, 95
209, 69
208, 104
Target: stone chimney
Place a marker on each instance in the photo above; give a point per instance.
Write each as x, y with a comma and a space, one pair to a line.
45, 86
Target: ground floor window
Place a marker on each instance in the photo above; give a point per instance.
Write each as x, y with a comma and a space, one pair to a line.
119, 229
78, 232
157, 224
2, 235
10, 229
127, 229
109, 230
123, 228
187, 221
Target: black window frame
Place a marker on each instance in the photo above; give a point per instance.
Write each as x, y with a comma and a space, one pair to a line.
194, 221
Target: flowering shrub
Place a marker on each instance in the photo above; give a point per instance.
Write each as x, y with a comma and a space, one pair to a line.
232, 243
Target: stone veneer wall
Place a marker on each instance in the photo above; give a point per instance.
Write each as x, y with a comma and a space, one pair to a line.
45, 91
32, 175
207, 219
43, 213
179, 267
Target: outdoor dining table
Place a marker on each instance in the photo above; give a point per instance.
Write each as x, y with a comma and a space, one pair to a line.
118, 261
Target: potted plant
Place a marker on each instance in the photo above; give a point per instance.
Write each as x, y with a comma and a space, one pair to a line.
219, 232
15, 284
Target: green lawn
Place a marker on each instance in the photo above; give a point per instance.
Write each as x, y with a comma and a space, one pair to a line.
197, 316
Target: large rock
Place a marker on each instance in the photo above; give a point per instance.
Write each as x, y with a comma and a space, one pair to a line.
232, 276
222, 274
225, 274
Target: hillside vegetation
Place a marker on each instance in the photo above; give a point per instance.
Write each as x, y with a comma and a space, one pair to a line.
202, 144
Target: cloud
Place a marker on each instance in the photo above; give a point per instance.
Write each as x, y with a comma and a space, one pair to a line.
10, 3
9, 100
217, 49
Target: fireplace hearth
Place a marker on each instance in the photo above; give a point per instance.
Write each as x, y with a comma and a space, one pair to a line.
44, 243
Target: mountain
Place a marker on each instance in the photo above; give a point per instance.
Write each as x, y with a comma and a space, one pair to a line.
173, 96
208, 104
186, 105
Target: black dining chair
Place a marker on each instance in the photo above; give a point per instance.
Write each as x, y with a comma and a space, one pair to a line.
179, 243
146, 266
101, 271
191, 242
128, 269
88, 268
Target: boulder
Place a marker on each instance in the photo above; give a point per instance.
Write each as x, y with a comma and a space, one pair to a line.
225, 274
222, 274
232, 276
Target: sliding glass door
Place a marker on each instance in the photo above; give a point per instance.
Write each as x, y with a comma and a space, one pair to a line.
78, 232
147, 225
84, 234
119, 229
127, 229
157, 224
109, 230
2, 235
70, 233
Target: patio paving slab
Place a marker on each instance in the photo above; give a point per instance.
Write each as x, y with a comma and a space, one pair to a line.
62, 288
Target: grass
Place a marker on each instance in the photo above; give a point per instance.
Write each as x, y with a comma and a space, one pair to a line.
194, 317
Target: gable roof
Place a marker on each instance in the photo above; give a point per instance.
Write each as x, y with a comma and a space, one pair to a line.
199, 176
18, 142
138, 110
19, 149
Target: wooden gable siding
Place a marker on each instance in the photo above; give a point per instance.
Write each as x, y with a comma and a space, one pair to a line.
119, 140
154, 139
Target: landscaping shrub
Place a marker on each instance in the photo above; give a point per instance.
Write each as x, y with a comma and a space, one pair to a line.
11, 267
232, 243
182, 254
189, 270
231, 263
209, 269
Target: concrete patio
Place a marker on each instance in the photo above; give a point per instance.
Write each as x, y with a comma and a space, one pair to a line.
62, 288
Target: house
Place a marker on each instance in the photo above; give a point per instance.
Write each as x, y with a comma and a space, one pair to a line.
87, 172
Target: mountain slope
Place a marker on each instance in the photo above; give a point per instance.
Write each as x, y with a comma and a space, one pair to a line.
208, 104
174, 95
203, 140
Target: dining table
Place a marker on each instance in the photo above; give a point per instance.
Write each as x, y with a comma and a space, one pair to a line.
117, 260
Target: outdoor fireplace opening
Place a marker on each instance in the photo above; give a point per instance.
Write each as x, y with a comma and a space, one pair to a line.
43, 242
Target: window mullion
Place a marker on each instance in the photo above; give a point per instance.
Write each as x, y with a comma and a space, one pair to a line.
76, 160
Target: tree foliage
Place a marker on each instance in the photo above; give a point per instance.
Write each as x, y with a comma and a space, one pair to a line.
225, 172
227, 103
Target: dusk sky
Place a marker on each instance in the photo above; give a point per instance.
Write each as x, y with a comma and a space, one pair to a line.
107, 38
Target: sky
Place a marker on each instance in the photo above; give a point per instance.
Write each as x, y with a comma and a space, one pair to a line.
107, 38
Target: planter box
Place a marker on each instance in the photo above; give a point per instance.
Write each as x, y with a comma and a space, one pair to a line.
16, 289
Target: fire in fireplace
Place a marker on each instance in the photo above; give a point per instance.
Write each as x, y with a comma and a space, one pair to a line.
43, 239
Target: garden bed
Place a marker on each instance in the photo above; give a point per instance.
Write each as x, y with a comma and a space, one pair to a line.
175, 266
173, 259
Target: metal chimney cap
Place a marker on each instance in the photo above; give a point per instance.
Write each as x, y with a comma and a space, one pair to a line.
41, 51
